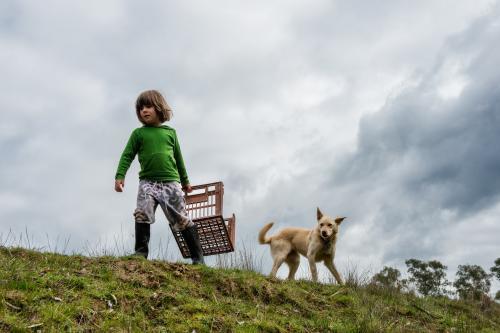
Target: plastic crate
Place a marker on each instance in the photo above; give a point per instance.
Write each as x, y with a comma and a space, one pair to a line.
204, 205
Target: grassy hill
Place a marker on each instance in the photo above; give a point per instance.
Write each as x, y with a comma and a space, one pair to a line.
55, 293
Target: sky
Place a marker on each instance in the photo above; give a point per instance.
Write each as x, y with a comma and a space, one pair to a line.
387, 113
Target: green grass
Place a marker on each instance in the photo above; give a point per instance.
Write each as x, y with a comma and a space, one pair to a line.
56, 293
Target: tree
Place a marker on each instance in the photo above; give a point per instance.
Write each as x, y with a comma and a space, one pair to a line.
429, 277
496, 269
388, 277
472, 282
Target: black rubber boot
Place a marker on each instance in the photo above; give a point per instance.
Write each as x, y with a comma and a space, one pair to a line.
142, 233
193, 242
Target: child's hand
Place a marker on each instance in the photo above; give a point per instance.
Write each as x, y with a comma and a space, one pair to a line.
187, 188
119, 185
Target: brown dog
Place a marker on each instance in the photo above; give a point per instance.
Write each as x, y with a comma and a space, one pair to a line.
316, 245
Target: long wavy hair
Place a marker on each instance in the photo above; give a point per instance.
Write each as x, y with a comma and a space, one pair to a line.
153, 98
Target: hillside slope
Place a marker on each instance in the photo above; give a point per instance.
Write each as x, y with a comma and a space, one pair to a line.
51, 292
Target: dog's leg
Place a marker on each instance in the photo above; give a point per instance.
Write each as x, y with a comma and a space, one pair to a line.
293, 262
333, 269
312, 267
279, 251
312, 250
276, 265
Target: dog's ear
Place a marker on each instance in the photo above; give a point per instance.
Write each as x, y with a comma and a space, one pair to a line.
339, 220
319, 214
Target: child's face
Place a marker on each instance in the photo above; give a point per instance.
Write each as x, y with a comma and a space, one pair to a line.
149, 116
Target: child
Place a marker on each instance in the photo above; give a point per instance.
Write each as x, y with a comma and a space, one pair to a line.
162, 173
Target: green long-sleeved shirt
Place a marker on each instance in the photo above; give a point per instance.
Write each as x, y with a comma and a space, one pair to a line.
159, 155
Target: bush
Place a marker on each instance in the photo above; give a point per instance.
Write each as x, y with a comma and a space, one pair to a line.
429, 277
472, 282
389, 278
495, 270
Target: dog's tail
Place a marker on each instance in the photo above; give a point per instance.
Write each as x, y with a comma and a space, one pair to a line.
262, 234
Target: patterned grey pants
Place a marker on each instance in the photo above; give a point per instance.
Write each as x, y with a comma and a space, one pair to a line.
169, 196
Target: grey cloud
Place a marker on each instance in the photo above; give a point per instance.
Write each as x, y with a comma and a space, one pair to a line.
424, 162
